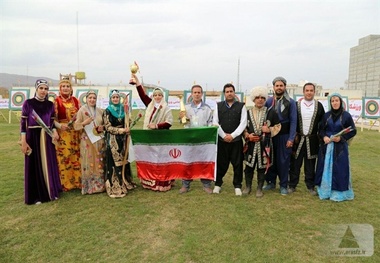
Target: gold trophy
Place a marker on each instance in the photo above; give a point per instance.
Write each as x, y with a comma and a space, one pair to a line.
134, 68
96, 131
182, 108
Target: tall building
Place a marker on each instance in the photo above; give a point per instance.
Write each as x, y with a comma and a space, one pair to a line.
364, 68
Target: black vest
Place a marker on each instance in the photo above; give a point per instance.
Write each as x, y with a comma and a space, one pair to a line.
229, 118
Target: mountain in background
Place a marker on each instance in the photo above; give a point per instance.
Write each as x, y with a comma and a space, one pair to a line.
13, 80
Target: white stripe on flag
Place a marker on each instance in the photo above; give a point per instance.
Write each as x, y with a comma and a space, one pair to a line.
175, 153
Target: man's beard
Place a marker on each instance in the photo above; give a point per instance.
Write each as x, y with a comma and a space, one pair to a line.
279, 93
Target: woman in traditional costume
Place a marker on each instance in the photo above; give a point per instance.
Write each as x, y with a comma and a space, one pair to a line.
118, 169
333, 175
68, 151
92, 146
157, 116
42, 182
262, 125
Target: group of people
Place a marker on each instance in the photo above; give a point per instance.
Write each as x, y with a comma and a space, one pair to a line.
68, 146
280, 136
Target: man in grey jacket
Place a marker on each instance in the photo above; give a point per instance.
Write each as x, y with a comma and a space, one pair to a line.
197, 114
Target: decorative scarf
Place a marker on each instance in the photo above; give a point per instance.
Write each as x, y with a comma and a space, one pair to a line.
160, 114
117, 110
91, 109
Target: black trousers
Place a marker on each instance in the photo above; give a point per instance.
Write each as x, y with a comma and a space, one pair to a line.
230, 153
295, 169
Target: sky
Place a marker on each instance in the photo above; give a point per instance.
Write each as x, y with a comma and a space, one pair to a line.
178, 43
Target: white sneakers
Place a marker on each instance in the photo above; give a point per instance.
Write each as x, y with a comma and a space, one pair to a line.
238, 192
217, 189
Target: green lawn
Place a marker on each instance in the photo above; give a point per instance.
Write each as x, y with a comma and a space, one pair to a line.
146, 226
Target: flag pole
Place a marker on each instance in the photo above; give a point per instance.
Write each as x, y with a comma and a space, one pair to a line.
126, 126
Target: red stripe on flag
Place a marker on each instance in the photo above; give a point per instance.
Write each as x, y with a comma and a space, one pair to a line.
170, 171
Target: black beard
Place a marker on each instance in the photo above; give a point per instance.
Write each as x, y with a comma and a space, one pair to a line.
279, 93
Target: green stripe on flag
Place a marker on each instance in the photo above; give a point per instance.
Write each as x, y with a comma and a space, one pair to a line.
200, 135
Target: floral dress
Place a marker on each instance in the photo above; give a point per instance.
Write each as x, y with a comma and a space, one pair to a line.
92, 154
68, 151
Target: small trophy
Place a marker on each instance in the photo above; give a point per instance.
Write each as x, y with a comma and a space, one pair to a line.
182, 108
134, 68
96, 131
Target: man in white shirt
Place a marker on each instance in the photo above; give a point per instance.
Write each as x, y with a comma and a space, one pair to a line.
231, 117
309, 114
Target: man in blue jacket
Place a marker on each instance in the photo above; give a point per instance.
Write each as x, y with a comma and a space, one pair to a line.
282, 143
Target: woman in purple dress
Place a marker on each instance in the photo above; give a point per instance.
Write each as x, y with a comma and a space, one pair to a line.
42, 183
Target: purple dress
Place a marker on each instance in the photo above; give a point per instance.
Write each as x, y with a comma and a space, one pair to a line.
42, 183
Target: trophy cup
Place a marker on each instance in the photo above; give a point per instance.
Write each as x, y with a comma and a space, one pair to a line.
134, 68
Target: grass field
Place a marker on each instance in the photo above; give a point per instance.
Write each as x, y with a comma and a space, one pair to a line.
146, 226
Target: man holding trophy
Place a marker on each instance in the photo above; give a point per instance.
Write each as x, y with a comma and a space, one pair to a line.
196, 114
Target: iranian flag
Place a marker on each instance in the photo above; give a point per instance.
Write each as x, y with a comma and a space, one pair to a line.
175, 154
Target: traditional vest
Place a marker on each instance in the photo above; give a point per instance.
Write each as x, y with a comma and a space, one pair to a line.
62, 114
229, 118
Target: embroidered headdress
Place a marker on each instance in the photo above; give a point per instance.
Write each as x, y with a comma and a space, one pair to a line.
65, 81
91, 92
114, 92
40, 82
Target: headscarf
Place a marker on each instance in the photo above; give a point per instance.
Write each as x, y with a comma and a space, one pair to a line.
335, 114
38, 83
117, 110
96, 96
158, 90
162, 111
91, 92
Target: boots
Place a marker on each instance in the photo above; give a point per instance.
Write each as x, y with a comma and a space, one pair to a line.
259, 192
248, 172
248, 188
260, 184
